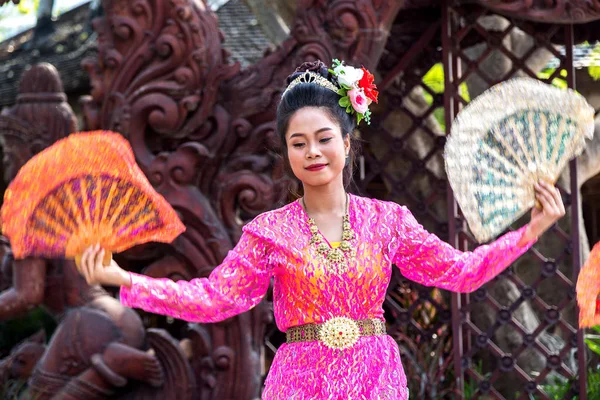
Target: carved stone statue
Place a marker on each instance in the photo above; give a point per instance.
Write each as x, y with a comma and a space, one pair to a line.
18, 366
97, 346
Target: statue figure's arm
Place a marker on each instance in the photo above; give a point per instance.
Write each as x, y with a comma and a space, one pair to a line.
27, 290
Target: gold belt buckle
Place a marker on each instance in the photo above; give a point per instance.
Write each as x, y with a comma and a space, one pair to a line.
339, 333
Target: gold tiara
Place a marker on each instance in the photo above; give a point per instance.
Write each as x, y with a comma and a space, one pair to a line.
311, 77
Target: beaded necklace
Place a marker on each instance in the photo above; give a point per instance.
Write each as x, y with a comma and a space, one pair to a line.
336, 258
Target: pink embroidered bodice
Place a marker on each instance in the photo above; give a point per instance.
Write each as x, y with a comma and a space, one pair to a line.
276, 245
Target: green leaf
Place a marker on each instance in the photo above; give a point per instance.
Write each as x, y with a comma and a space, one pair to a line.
464, 92
331, 71
349, 109
342, 92
594, 71
556, 82
336, 62
28, 7
434, 78
359, 117
593, 346
344, 101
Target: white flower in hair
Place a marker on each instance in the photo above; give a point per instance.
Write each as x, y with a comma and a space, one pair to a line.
348, 75
357, 90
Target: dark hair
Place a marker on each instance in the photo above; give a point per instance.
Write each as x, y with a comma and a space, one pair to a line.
313, 95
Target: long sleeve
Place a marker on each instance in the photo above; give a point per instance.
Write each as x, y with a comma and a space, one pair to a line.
236, 285
424, 258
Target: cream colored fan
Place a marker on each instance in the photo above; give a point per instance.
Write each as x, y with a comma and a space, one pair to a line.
513, 135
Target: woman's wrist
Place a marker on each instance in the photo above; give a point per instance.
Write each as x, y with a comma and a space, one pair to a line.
528, 236
125, 279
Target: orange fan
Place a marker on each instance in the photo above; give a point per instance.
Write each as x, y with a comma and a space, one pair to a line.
84, 189
588, 290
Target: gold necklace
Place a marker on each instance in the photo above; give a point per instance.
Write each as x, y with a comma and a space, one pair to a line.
337, 258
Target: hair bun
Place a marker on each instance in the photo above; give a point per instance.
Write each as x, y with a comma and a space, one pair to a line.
313, 66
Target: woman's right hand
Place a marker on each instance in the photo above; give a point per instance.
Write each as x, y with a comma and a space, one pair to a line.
97, 274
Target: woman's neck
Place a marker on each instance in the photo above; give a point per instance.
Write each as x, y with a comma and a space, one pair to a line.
325, 199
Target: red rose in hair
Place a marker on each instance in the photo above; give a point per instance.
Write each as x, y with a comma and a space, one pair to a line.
367, 85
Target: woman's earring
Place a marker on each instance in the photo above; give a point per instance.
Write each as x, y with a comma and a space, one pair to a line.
347, 160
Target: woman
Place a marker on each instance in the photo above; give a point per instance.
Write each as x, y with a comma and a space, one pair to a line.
330, 254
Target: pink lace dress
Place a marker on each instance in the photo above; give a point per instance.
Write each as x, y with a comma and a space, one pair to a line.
276, 245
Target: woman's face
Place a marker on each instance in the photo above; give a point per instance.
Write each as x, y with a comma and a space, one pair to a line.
316, 150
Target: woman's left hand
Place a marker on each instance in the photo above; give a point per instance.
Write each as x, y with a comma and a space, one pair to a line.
552, 210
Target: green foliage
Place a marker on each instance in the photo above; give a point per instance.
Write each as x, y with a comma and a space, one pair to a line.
593, 340
594, 70
471, 386
428, 365
367, 116
593, 385
28, 6
557, 82
434, 80
25, 7
427, 358
558, 388
593, 379
12, 389
14, 331
10, 10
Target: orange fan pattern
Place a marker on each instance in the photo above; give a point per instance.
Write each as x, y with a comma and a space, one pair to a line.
85, 189
588, 290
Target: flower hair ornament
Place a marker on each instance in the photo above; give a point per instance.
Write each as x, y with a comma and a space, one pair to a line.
355, 86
